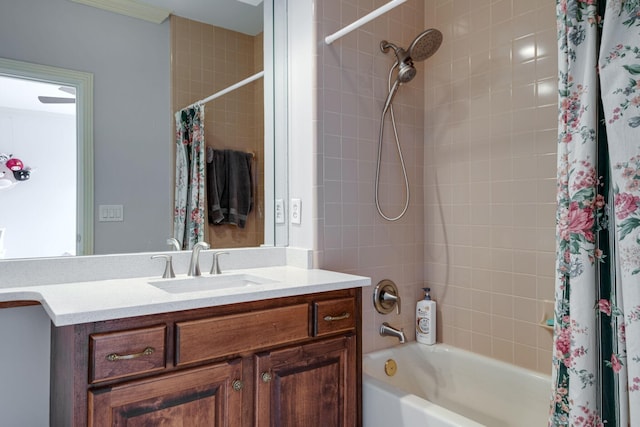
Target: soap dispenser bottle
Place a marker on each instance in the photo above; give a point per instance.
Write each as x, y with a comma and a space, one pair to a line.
426, 319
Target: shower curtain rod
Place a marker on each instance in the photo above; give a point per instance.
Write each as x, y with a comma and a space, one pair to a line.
360, 22
225, 91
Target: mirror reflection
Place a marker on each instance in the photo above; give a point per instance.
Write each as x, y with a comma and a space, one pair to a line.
143, 73
207, 61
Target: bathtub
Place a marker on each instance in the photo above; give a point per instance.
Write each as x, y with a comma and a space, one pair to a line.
442, 386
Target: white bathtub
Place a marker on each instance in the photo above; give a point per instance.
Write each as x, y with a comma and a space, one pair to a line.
442, 386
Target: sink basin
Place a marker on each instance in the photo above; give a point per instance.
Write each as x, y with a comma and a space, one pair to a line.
209, 283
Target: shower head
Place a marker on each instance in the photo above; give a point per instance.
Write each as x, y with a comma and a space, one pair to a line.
422, 47
425, 45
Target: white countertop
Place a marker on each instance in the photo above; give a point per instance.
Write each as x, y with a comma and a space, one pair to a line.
90, 301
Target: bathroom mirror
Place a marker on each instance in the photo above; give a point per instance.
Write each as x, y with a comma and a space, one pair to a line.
132, 130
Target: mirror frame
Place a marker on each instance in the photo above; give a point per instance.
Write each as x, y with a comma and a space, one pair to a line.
83, 82
276, 116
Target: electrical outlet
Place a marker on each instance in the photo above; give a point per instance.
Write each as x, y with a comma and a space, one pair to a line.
280, 211
296, 211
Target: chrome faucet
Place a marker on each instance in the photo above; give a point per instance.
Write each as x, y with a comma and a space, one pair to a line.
387, 329
168, 267
194, 264
215, 267
173, 242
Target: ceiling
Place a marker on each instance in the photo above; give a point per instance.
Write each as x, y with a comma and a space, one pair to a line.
244, 16
23, 95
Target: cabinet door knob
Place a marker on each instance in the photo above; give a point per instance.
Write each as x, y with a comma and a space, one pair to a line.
115, 356
343, 316
266, 377
237, 385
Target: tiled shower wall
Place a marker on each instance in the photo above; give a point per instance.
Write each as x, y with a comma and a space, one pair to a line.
205, 60
490, 156
478, 132
352, 87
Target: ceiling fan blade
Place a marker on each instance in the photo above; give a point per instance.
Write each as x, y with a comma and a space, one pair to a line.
68, 89
56, 100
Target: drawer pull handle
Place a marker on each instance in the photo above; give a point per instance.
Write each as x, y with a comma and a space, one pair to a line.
237, 385
343, 316
113, 357
266, 377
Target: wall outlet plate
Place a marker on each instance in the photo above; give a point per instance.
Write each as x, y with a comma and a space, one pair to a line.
296, 211
280, 215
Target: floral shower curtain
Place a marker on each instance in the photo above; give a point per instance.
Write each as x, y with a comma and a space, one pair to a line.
596, 362
188, 219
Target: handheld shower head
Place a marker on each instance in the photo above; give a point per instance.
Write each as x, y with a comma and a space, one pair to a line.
406, 71
422, 47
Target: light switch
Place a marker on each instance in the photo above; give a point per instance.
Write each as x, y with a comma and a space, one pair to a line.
110, 213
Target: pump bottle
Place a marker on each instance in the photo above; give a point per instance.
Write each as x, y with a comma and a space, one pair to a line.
426, 319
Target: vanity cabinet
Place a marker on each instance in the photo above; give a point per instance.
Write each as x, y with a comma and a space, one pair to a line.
307, 385
277, 362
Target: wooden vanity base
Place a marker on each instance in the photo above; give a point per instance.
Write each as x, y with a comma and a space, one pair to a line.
284, 361
12, 304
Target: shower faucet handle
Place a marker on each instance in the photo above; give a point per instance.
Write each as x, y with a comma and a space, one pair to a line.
386, 297
395, 299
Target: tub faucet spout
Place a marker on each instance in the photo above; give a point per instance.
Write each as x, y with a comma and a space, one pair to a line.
387, 329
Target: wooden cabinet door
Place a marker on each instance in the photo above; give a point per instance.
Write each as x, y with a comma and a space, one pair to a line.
307, 385
196, 397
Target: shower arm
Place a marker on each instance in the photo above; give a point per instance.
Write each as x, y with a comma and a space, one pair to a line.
402, 55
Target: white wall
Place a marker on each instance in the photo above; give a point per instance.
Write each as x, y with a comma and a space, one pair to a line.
302, 120
35, 226
132, 119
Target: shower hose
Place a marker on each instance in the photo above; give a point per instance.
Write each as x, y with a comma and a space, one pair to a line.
389, 107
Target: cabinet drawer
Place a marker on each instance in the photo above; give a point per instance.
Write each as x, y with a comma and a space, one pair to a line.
123, 353
336, 315
221, 336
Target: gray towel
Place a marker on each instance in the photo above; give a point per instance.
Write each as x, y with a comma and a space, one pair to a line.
216, 178
229, 189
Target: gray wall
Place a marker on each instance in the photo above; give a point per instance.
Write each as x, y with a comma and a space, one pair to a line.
24, 367
133, 137
133, 162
